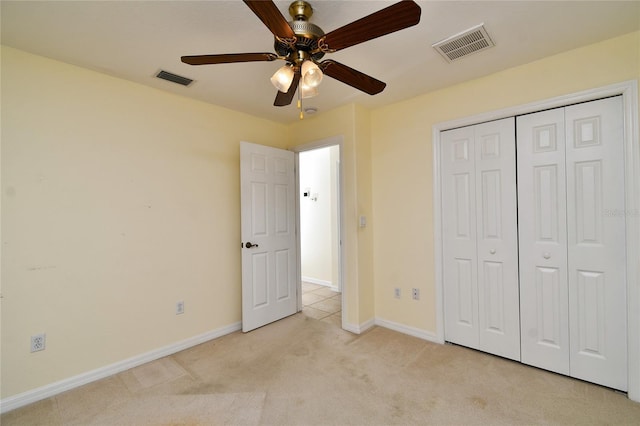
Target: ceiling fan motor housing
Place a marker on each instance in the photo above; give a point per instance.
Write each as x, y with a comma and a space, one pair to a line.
307, 34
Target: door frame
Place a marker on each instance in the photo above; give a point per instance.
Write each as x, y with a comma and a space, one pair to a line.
629, 92
324, 143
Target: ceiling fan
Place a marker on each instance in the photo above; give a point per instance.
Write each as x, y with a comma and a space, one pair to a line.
302, 45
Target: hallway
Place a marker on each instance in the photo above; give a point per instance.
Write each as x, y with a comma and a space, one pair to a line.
322, 303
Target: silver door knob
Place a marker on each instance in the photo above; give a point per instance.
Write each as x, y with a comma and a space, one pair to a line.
249, 245
492, 251
546, 255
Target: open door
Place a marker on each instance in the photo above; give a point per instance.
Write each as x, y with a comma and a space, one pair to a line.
267, 185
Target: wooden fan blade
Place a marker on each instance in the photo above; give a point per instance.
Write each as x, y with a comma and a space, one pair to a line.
269, 14
284, 99
353, 78
228, 58
391, 19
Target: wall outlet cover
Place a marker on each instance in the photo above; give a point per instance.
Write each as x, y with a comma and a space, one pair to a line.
38, 342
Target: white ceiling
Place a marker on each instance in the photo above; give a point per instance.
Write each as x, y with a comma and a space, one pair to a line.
135, 39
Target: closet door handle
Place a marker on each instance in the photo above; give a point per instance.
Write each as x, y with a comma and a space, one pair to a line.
547, 255
492, 251
249, 245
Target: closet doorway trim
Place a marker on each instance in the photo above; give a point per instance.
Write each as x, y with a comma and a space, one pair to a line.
629, 92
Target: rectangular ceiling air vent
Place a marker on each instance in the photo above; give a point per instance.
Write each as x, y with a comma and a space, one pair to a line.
174, 78
465, 43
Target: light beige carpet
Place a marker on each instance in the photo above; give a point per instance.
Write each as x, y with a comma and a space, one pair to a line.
301, 371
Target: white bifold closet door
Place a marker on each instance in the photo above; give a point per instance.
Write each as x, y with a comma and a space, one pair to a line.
572, 241
544, 294
480, 238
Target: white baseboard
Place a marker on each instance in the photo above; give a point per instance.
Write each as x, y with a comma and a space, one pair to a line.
319, 282
22, 399
359, 328
401, 328
411, 331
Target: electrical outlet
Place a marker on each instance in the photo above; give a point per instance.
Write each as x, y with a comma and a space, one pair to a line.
38, 342
179, 307
396, 292
415, 293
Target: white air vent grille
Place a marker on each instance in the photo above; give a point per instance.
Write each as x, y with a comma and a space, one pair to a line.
465, 43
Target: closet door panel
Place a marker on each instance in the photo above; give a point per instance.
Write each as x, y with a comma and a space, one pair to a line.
596, 242
459, 237
497, 248
542, 232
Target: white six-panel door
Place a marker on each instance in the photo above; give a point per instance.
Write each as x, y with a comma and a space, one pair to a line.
544, 303
572, 241
480, 240
459, 242
269, 282
596, 242
497, 241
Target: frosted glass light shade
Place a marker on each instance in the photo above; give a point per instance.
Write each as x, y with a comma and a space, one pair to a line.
311, 74
282, 78
308, 91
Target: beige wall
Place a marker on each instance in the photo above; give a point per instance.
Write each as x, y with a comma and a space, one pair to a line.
402, 161
118, 201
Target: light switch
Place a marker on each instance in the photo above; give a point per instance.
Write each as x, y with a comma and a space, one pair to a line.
363, 221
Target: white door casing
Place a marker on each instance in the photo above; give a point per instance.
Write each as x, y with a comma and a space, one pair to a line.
342, 241
269, 259
480, 242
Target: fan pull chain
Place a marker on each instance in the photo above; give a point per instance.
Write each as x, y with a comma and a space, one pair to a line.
300, 102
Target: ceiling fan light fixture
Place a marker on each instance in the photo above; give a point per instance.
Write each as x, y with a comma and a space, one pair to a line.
283, 78
311, 74
302, 44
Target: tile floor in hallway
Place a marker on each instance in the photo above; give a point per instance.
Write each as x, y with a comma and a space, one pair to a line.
322, 303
